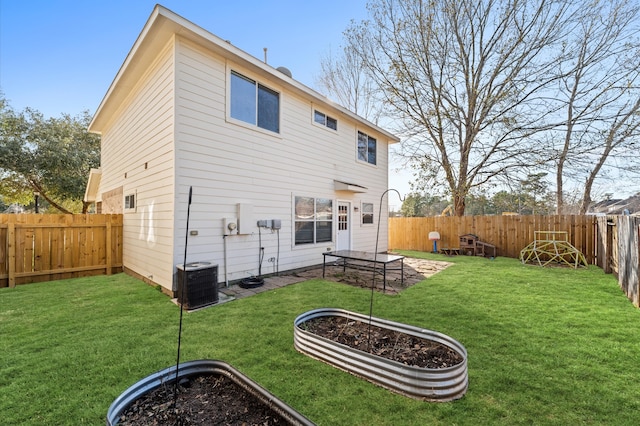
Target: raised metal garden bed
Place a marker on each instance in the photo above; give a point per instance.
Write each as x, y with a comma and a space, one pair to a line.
201, 368
429, 384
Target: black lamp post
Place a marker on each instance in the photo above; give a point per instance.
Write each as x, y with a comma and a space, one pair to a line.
37, 196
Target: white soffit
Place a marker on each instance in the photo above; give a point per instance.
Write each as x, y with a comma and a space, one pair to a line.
346, 186
93, 184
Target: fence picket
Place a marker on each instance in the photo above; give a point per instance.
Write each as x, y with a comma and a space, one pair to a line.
46, 247
612, 243
35, 248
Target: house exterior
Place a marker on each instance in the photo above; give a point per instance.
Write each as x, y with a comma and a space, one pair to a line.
188, 110
628, 206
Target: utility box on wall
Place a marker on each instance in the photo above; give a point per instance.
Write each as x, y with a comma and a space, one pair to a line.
197, 284
230, 225
245, 218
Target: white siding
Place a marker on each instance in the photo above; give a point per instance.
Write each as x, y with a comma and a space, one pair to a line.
165, 128
227, 163
138, 144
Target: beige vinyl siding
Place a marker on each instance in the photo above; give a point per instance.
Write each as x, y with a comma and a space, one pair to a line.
165, 127
142, 132
228, 163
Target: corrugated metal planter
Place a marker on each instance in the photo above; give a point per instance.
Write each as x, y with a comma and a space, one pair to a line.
199, 368
429, 384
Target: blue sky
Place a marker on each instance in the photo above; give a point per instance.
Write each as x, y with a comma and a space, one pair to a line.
60, 56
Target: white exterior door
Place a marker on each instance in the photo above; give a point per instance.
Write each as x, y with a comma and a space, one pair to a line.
343, 233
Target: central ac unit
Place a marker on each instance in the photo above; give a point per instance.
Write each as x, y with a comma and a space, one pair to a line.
197, 285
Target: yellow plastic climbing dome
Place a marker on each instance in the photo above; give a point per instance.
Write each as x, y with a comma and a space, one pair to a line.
552, 247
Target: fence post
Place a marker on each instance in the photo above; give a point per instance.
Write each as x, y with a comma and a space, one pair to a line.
608, 262
11, 239
108, 248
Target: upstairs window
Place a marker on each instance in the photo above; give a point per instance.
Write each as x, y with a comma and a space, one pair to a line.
254, 103
324, 120
366, 148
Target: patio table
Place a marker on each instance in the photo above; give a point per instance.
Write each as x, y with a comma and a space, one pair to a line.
367, 257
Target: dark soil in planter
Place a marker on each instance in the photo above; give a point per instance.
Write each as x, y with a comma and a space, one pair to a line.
389, 344
203, 400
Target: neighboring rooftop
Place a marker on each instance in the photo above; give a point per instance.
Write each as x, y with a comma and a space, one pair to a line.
630, 206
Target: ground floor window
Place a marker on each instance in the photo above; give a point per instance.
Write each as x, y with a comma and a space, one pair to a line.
130, 202
313, 220
367, 213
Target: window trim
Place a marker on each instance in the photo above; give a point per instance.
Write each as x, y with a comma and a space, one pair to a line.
369, 139
231, 70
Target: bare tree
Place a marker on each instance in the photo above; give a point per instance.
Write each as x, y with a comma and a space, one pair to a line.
601, 93
465, 80
343, 79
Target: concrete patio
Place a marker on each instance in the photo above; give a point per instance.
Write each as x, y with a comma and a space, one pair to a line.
415, 270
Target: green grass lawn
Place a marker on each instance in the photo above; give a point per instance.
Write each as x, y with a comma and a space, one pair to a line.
546, 346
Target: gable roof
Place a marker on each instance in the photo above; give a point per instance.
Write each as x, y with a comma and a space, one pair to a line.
630, 205
160, 27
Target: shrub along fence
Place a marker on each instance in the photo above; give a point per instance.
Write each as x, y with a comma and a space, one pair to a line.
42, 247
611, 243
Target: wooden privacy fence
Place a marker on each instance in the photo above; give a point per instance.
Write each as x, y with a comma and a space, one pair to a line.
618, 252
509, 234
36, 248
612, 243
